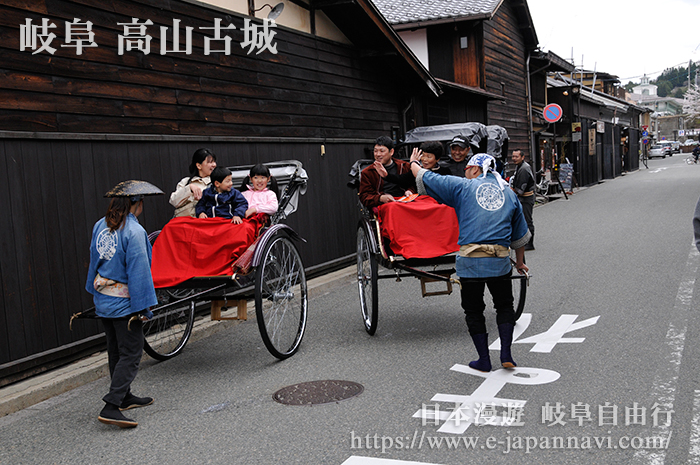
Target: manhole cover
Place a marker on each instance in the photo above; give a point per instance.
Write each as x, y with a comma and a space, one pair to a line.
317, 392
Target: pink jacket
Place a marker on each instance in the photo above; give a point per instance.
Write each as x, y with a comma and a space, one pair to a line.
265, 201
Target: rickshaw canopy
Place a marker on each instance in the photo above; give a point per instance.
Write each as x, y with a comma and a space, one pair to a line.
475, 133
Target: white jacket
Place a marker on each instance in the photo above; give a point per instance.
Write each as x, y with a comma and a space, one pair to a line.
183, 199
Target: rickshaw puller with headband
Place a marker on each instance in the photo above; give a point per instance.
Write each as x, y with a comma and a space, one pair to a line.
490, 221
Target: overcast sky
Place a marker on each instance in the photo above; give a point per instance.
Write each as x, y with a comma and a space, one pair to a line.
621, 37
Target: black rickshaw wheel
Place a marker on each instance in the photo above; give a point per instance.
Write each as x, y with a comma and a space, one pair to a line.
281, 298
519, 293
166, 334
519, 286
367, 271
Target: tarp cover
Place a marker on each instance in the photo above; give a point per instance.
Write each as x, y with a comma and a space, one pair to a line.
475, 133
498, 136
422, 228
189, 247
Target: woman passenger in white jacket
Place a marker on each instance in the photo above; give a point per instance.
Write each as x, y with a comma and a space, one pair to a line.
189, 189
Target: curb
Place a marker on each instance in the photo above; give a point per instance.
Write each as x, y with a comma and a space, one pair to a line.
28, 392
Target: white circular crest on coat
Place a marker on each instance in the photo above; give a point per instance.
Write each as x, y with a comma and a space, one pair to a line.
106, 244
490, 197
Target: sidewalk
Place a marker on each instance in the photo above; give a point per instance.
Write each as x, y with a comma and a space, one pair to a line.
26, 393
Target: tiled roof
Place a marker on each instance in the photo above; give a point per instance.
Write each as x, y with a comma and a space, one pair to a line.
412, 11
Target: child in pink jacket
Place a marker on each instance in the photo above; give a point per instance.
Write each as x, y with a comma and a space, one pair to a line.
260, 198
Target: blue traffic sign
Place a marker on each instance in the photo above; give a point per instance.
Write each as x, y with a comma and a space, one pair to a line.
552, 113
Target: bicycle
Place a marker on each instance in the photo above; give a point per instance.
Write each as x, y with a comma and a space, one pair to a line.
691, 160
541, 187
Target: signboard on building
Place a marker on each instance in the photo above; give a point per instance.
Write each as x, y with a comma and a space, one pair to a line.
576, 132
566, 175
591, 142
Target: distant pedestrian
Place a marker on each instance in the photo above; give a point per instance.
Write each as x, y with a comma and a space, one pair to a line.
119, 278
524, 185
696, 225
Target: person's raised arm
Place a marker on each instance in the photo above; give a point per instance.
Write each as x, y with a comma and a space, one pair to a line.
380, 169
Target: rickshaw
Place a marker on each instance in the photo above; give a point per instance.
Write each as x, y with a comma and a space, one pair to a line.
274, 276
373, 250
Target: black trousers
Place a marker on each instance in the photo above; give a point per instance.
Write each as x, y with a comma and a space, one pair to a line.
124, 350
528, 204
501, 290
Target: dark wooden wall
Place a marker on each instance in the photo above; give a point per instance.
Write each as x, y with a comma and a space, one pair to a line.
589, 171
310, 88
632, 156
54, 191
72, 127
453, 106
505, 74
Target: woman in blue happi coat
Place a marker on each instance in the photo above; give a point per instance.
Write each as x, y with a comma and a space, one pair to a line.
119, 278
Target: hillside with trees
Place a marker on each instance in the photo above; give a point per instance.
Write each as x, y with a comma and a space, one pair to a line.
673, 82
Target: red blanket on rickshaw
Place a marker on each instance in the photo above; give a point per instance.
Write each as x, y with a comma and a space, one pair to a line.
422, 228
189, 247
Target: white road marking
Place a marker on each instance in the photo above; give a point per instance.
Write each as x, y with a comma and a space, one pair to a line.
463, 415
356, 460
666, 380
694, 451
545, 342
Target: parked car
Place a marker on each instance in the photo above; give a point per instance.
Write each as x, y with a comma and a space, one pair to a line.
689, 142
676, 146
668, 145
658, 151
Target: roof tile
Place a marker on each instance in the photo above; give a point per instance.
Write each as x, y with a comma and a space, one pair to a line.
411, 11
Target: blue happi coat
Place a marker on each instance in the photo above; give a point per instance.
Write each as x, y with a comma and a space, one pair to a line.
486, 215
124, 256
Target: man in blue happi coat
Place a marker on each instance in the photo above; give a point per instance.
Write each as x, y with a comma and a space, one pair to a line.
491, 222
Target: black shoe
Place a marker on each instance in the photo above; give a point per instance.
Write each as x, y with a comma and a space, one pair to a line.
131, 401
110, 415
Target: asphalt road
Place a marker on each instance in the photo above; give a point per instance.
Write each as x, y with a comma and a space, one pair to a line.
607, 355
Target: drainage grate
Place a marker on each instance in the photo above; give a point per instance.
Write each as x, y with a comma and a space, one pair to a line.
317, 392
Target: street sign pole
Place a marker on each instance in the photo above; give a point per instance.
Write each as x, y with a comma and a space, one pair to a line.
553, 113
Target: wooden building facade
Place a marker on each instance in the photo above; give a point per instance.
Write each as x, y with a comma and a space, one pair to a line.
72, 126
509, 39
608, 143
478, 50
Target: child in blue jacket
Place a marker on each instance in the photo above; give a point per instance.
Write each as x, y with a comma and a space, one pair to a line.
221, 199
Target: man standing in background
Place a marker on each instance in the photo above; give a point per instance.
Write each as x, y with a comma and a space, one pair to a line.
523, 183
